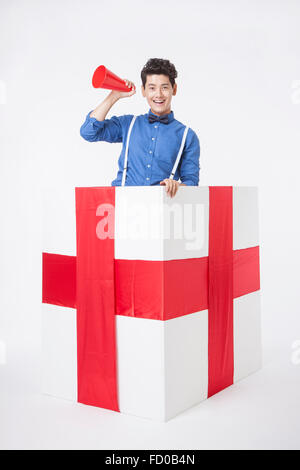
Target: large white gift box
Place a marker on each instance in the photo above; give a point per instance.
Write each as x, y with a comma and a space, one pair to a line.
151, 304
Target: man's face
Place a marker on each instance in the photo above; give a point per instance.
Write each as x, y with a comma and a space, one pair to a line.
159, 92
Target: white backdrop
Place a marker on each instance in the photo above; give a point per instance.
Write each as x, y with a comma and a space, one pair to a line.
238, 81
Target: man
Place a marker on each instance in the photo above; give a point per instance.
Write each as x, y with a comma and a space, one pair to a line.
155, 138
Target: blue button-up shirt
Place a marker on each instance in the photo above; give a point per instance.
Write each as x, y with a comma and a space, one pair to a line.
153, 148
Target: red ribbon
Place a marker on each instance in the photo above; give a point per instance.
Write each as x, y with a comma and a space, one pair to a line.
220, 290
96, 330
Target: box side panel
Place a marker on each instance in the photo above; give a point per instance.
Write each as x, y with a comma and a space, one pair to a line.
59, 221
247, 335
186, 362
140, 367
59, 351
245, 217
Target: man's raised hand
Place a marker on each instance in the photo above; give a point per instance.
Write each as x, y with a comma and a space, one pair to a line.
125, 94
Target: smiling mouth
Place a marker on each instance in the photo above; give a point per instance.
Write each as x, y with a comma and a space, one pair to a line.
158, 102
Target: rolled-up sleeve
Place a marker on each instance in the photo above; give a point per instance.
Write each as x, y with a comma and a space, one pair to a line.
109, 130
189, 169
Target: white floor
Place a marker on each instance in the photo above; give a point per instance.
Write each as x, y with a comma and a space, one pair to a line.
260, 412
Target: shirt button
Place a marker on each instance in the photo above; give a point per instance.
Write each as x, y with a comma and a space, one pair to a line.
150, 151
148, 166
147, 178
153, 138
155, 127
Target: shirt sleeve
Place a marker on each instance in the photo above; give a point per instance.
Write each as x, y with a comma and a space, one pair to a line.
109, 130
189, 170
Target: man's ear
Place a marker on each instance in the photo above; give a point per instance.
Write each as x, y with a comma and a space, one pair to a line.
174, 89
143, 90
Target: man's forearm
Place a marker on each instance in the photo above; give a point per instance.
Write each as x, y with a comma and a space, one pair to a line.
101, 111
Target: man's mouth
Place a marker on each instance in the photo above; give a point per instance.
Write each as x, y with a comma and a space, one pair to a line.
159, 102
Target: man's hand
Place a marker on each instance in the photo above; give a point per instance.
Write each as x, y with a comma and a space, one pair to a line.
171, 186
123, 94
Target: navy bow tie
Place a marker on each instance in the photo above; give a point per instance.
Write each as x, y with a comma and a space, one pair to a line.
164, 119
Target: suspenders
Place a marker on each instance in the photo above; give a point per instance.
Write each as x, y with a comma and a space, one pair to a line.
127, 145
179, 153
126, 151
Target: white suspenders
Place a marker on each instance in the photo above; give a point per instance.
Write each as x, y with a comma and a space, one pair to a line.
179, 153
126, 151
127, 146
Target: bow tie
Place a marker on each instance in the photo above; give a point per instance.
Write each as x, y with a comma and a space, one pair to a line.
164, 119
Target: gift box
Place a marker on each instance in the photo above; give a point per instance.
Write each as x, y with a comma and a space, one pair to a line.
151, 304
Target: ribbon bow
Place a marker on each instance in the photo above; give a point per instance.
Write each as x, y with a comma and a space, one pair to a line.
164, 119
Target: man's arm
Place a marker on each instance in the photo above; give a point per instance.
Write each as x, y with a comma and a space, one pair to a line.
101, 111
96, 127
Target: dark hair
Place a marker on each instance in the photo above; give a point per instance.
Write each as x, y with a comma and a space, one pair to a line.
159, 67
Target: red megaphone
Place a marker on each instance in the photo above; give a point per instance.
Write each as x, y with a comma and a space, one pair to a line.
104, 78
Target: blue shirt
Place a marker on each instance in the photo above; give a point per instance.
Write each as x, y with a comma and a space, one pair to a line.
152, 151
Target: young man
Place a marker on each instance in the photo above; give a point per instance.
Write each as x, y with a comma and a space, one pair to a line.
154, 140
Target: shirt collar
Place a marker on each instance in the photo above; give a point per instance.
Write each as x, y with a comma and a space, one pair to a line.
170, 115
